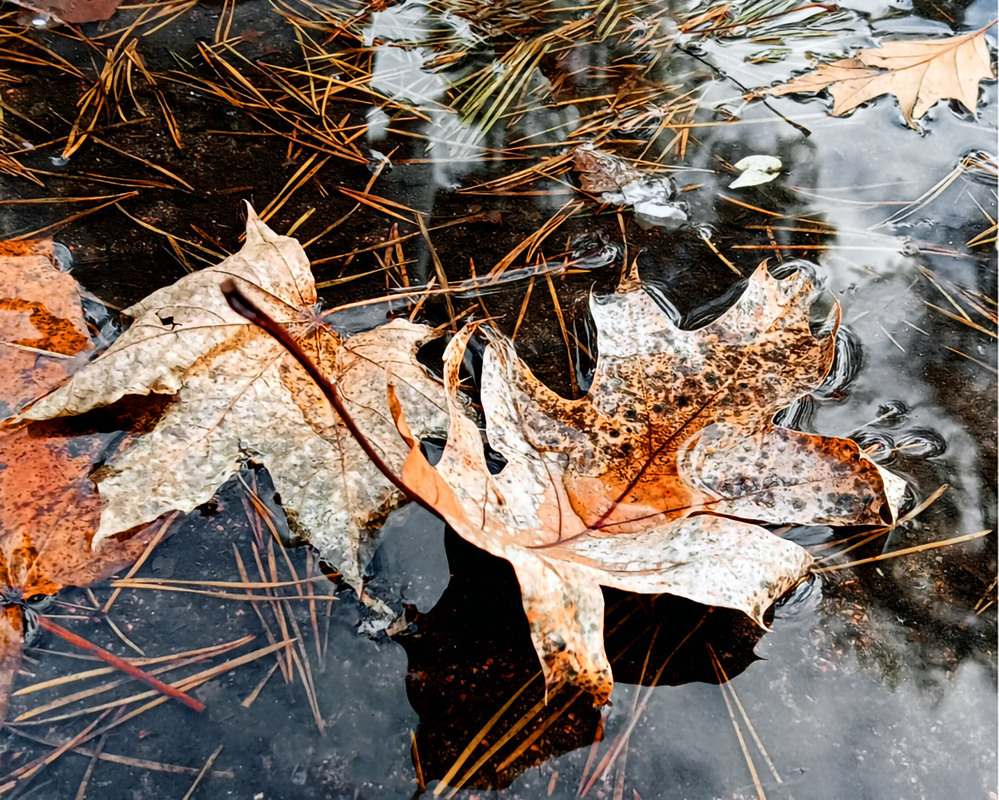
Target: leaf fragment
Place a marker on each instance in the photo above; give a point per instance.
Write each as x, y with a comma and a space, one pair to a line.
73, 12
652, 197
41, 323
756, 170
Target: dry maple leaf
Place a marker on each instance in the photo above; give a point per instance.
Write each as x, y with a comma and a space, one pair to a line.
652, 481
240, 396
48, 506
919, 72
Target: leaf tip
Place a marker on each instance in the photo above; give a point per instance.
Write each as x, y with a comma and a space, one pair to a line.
630, 281
257, 231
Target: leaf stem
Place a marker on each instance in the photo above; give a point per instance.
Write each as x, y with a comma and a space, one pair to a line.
247, 308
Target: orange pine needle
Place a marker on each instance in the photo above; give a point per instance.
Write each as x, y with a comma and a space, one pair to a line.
119, 663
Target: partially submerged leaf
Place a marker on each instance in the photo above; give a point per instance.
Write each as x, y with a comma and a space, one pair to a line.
49, 511
652, 197
600, 171
653, 481
239, 396
42, 329
919, 72
49, 508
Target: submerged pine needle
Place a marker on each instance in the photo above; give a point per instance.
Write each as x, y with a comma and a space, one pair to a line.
905, 551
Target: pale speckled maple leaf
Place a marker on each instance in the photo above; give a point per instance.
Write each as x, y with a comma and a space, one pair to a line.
653, 481
919, 72
240, 396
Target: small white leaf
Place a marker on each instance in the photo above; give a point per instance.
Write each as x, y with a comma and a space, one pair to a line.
756, 170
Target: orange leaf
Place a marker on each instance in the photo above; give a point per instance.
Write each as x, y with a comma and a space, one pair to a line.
42, 329
49, 507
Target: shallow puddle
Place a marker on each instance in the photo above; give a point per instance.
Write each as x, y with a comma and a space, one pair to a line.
377, 136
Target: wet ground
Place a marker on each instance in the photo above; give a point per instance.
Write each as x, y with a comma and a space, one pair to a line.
875, 681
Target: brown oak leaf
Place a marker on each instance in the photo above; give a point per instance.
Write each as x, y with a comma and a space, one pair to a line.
656, 480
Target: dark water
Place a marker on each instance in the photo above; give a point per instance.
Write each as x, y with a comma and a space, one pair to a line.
876, 681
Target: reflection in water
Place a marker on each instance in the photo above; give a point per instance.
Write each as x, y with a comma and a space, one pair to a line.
402, 70
471, 656
399, 73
